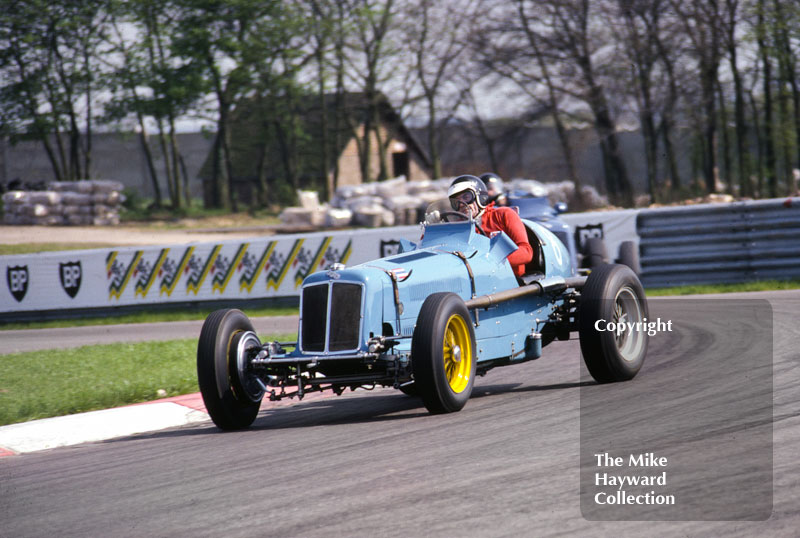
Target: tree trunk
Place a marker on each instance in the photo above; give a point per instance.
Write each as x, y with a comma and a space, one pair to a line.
176, 168
366, 145
185, 176
708, 85
666, 118
561, 130
381, 145
742, 150
745, 187
148, 157
617, 181
162, 143
87, 155
789, 76
769, 144
324, 168
760, 146
651, 143
672, 162
433, 146
726, 173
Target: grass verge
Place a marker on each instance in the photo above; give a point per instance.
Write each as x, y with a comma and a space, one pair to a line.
761, 285
39, 385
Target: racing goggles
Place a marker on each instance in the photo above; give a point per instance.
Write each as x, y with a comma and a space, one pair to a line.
462, 199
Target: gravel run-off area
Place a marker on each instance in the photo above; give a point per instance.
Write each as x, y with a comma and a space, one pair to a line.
118, 235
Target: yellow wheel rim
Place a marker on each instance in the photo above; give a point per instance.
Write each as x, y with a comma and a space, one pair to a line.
457, 351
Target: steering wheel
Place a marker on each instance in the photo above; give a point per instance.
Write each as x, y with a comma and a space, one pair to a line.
461, 216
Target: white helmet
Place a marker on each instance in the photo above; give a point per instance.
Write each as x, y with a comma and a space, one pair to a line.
467, 189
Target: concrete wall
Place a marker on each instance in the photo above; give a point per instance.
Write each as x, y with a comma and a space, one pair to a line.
115, 156
529, 152
534, 152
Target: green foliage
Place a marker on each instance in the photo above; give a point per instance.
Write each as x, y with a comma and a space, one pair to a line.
133, 200
49, 67
759, 285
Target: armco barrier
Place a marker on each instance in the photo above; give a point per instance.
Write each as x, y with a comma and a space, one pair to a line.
720, 243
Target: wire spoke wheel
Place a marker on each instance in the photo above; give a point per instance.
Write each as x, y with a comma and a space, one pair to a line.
457, 354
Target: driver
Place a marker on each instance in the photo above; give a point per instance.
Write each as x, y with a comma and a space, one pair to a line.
468, 194
496, 188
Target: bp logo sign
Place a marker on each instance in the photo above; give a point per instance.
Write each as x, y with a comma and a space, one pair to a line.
584, 233
70, 275
17, 278
389, 248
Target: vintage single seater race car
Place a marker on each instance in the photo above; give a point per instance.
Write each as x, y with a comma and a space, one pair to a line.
426, 321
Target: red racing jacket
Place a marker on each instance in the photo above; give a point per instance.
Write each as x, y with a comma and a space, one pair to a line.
505, 219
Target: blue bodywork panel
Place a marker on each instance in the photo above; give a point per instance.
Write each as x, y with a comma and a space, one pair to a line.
442, 261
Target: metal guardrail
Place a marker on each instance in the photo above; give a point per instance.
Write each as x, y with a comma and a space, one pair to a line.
716, 243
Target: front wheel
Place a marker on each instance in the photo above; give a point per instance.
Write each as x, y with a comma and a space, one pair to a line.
613, 298
231, 392
443, 353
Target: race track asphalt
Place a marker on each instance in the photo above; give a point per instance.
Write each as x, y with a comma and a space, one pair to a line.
15, 341
509, 464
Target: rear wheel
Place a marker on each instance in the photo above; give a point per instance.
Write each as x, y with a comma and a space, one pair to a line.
443, 353
613, 294
595, 253
629, 255
231, 392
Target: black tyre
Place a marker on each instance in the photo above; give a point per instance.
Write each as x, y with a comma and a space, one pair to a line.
443, 353
629, 255
231, 395
612, 293
595, 253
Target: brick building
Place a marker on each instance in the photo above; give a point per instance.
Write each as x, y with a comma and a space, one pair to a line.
285, 154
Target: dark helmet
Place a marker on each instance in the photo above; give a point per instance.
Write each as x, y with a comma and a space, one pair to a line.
493, 183
471, 184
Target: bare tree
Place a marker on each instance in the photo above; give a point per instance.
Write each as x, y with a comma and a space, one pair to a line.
642, 25
365, 57
701, 23
575, 36
766, 61
552, 99
787, 80
730, 23
437, 36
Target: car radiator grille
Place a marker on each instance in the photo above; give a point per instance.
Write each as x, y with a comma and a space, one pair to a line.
331, 317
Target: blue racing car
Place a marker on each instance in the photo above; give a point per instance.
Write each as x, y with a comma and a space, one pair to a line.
426, 321
586, 256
